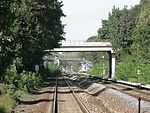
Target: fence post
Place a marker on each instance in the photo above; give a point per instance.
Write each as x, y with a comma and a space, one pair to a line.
139, 108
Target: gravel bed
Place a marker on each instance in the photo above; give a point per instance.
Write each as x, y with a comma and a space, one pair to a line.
94, 105
129, 99
109, 100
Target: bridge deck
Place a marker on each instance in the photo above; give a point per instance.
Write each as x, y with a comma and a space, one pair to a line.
83, 47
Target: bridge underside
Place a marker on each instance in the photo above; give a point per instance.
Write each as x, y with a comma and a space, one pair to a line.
90, 47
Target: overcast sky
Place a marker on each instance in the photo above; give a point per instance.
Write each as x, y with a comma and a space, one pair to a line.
83, 17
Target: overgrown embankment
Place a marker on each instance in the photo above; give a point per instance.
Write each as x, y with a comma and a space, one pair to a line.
15, 86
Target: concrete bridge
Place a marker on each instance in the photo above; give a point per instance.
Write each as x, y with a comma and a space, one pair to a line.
80, 46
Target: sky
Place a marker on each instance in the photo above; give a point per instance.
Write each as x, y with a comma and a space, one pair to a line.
83, 17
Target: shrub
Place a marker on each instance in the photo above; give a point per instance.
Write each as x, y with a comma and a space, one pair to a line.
28, 80
23, 81
54, 69
2, 109
2, 89
6, 103
11, 79
144, 74
98, 69
15, 85
127, 70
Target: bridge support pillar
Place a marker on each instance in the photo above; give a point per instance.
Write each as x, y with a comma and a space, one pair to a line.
112, 64
56, 60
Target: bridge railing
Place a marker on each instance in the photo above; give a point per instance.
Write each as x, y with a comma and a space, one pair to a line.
84, 43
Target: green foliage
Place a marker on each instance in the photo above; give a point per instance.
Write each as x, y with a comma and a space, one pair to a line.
15, 86
27, 28
37, 27
127, 70
28, 80
54, 69
100, 69
6, 103
23, 81
118, 29
7, 48
2, 109
145, 72
3, 89
141, 34
95, 70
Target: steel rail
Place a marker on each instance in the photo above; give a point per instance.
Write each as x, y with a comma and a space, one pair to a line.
55, 105
128, 93
135, 87
126, 85
80, 103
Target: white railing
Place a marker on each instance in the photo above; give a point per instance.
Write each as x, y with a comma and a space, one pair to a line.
84, 43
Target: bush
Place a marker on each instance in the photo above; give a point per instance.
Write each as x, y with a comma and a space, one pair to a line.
2, 89
6, 103
98, 69
54, 69
144, 74
127, 70
16, 85
23, 81
10, 75
11, 79
2, 109
28, 80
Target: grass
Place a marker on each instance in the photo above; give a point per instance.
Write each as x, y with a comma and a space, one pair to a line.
6, 103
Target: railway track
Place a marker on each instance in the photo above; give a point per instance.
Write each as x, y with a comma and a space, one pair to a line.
132, 91
67, 96
55, 96
65, 99
129, 93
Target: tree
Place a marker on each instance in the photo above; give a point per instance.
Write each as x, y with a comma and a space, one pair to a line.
38, 27
7, 47
31, 27
141, 34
